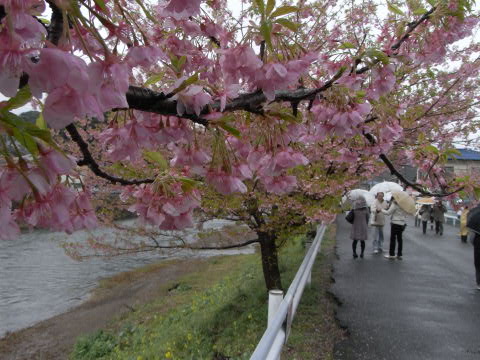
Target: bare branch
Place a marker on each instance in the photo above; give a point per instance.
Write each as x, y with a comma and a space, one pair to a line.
89, 161
403, 179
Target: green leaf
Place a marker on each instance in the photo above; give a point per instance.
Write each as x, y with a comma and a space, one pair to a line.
156, 158
191, 80
22, 97
347, 45
288, 24
379, 55
419, 11
230, 129
477, 192
40, 122
284, 10
394, 8
270, 6
266, 30
154, 79
181, 62
187, 183
44, 21
15, 122
26, 141
145, 10
432, 2
260, 6
101, 4
431, 148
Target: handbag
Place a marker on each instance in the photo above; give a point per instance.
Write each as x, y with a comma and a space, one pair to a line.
350, 216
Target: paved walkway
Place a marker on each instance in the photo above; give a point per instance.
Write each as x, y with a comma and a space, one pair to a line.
423, 307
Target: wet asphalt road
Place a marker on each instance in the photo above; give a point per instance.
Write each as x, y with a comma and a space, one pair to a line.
423, 307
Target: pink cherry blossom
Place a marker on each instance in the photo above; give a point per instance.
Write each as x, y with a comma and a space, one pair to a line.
225, 183
82, 213
144, 56
279, 184
239, 62
53, 163
182, 9
191, 156
171, 211
383, 81
13, 61
10, 229
283, 160
110, 86
192, 100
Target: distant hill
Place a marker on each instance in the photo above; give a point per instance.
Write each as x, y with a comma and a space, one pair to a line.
30, 116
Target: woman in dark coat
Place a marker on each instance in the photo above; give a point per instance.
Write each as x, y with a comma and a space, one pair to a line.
359, 230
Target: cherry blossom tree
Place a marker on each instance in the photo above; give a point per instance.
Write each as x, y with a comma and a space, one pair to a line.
266, 115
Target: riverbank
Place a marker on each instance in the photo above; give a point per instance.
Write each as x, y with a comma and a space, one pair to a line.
55, 337
213, 308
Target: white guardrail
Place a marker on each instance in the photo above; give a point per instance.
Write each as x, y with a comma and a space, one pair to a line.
454, 219
281, 311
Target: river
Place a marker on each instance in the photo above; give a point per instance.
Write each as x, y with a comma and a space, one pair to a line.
38, 280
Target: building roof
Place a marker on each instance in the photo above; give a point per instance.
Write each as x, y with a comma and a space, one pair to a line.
467, 154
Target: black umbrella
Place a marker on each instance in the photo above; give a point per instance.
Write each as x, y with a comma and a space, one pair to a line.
473, 219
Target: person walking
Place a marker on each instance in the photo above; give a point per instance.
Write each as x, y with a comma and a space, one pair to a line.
425, 213
473, 224
418, 217
378, 221
438, 213
398, 224
359, 230
463, 224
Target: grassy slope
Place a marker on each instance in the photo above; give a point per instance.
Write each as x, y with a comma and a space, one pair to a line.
219, 312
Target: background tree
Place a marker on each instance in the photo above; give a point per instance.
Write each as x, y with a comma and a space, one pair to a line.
265, 116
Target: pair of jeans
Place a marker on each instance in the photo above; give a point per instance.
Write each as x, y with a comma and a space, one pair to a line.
396, 237
438, 227
476, 257
378, 238
417, 220
424, 226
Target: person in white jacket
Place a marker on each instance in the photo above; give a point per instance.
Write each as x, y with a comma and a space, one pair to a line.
377, 220
398, 223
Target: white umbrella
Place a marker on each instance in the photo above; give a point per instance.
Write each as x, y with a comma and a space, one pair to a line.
385, 187
352, 195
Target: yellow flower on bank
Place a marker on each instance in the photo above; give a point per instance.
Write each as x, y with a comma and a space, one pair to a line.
168, 355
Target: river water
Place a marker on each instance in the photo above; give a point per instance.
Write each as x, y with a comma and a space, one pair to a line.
38, 280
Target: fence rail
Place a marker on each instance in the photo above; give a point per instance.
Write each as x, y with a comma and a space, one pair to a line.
282, 312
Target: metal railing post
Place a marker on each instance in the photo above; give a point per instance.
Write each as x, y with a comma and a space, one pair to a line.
275, 298
308, 245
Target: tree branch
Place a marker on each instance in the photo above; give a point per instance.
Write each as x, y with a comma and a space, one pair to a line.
402, 178
89, 161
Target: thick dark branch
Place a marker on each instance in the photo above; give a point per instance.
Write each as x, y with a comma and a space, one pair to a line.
93, 165
403, 179
411, 27
179, 246
55, 28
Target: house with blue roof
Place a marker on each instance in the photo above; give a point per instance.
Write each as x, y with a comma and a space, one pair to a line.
467, 163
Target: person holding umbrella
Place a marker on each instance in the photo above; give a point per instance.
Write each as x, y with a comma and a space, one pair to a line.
463, 224
402, 204
425, 212
378, 221
473, 223
438, 213
359, 225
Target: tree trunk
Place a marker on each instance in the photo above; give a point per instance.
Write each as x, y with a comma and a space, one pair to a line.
271, 271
